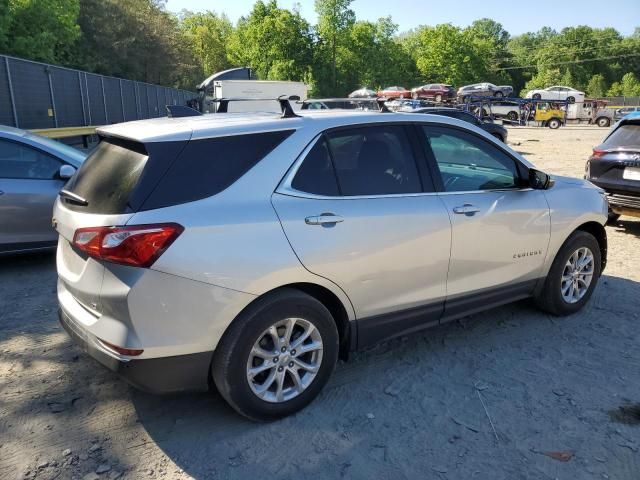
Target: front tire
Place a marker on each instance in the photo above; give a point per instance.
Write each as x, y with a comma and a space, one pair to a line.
438, 98
276, 356
499, 94
513, 116
536, 96
554, 123
573, 276
603, 122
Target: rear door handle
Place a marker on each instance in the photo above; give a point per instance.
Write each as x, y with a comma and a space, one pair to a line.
466, 209
324, 219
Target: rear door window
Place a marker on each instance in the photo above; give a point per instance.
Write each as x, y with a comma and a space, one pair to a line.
376, 160
316, 174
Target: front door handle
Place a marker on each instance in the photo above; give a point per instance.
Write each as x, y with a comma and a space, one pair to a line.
466, 209
324, 219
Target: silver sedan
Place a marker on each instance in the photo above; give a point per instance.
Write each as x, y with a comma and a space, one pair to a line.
33, 169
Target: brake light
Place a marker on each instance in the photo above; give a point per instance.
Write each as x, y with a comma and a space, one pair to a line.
598, 153
135, 245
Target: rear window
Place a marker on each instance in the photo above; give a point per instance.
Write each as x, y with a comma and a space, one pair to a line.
126, 177
624, 136
107, 177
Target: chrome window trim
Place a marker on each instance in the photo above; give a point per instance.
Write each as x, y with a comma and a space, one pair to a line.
285, 188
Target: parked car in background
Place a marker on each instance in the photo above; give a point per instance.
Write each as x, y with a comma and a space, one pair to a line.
494, 129
614, 166
569, 94
484, 90
434, 91
363, 92
250, 251
619, 113
394, 92
503, 109
33, 169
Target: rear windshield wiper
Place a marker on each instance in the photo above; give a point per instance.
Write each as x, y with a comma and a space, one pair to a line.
73, 198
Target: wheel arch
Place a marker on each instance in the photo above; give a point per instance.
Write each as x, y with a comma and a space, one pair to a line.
599, 232
339, 311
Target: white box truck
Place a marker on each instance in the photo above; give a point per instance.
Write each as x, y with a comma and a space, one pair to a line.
253, 89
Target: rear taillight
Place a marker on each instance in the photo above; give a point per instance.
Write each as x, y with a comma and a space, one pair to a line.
598, 153
135, 245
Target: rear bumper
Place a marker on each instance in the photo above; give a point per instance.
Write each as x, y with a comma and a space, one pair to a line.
155, 375
624, 204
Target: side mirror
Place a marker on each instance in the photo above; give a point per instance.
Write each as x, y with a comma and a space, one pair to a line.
539, 180
66, 172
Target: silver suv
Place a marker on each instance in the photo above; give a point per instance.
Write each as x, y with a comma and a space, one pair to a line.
251, 251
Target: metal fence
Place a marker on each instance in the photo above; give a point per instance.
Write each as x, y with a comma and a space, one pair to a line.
623, 101
38, 95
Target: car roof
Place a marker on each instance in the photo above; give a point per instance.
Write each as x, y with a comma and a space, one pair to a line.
58, 149
221, 124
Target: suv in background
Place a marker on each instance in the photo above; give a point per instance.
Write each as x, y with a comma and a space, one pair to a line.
614, 166
435, 91
250, 250
484, 90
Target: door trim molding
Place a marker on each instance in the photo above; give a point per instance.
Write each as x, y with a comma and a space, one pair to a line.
375, 329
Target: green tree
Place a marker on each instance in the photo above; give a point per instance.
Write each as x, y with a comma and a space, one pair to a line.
445, 53
597, 86
40, 29
629, 86
275, 42
335, 18
206, 36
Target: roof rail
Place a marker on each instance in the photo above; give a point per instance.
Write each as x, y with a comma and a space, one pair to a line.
284, 100
380, 101
177, 111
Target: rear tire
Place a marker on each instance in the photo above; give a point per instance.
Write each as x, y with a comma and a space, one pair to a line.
571, 99
513, 116
551, 297
235, 356
499, 94
438, 98
603, 122
536, 96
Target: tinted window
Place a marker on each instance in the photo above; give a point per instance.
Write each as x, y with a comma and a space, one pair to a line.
467, 163
21, 161
624, 136
108, 176
316, 174
374, 161
208, 166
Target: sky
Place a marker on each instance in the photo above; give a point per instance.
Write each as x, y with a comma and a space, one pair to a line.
516, 17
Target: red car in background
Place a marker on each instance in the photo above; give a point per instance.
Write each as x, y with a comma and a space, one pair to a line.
394, 92
440, 92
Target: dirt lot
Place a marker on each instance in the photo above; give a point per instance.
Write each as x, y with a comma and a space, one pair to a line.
555, 390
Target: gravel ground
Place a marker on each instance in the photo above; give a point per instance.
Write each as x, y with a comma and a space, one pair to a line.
507, 394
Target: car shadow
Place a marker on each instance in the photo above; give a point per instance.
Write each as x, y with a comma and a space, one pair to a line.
419, 388
629, 225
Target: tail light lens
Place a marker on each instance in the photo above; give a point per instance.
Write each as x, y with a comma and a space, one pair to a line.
598, 153
136, 245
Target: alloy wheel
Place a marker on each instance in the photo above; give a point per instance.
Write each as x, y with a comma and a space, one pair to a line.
577, 275
284, 360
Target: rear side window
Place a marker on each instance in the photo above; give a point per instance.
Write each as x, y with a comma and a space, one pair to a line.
208, 166
108, 176
624, 136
